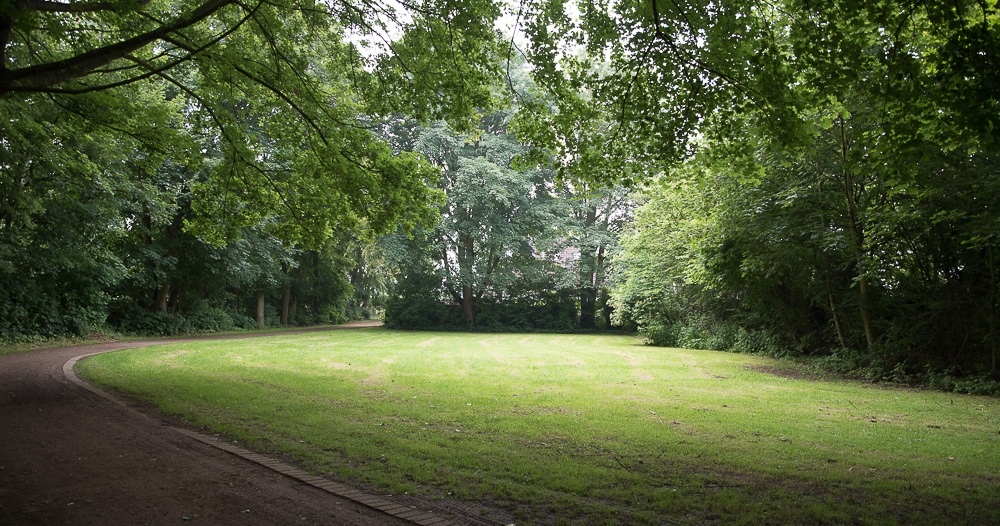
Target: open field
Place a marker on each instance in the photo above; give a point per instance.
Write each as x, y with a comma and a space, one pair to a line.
583, 429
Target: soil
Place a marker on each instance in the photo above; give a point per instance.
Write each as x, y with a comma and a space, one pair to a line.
70, 456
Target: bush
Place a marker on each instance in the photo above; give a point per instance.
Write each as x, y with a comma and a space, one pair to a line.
414, 303
204, 318
554, 311
759, 342
402, 313
146, 323
199, 317
977, 384
661, 334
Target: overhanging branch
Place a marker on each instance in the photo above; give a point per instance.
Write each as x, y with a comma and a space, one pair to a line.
45, 75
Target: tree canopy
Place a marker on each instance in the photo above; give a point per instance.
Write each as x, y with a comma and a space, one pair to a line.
846, 209
134, 133
278, 89
660, 71
818, 178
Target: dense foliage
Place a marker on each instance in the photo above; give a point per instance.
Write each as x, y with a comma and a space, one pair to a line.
171, 165
848, 212
819, 178
515, 248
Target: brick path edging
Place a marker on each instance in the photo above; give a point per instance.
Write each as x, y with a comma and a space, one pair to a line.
415, 516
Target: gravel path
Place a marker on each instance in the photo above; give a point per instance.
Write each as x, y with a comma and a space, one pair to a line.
71, 456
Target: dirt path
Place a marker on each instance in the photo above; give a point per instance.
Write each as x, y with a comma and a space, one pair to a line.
70, 456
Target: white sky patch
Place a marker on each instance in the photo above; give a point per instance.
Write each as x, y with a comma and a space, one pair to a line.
388, 27
394, 17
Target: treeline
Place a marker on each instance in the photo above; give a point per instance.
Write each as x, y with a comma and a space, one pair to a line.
819, 179
855, 223
516, 247
826, 173
903, 287
86, 264
187, 165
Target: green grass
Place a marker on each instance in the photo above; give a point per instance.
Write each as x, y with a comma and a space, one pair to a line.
101, 337
583, 429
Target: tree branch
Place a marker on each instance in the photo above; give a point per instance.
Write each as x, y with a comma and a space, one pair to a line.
34, 77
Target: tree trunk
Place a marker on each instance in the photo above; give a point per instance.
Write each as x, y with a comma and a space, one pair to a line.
286, 297
606, 308
162, 296
157, 295
468, 306
588, 307
866, 307
588, 272
314, 299
174, 300
836, 320
588, 289
992, 312
857, 237
293, 308
465, 259
260, 308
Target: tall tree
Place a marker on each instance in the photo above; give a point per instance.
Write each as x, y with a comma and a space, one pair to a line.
590, 233
849, 225
286, 67
263, 111
494, 213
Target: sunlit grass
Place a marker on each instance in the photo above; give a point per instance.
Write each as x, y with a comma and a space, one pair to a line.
583, 429
101, 337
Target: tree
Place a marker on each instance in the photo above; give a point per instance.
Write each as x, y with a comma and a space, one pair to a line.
65, 180
283, 66
657, 71
850, 225
590, 232
494, 214
197, 121
591, 182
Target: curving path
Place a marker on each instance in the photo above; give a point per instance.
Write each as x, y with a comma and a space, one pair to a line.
71, 454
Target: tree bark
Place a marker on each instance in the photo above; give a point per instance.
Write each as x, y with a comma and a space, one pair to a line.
857, 237
588, 273
314, 296
606, 309
260, 308
992, 311
286, 292
158, 304
468, 306
866, 307
836, 319
175, 299
162, 295
466, 257
42, 76
286, 298
588, 308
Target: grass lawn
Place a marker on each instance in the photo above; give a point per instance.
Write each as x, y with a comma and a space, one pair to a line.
583, 429
98, 337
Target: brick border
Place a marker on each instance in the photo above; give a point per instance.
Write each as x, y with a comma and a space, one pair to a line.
417, 516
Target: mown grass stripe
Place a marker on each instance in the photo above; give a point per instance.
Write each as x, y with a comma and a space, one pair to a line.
584, 428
